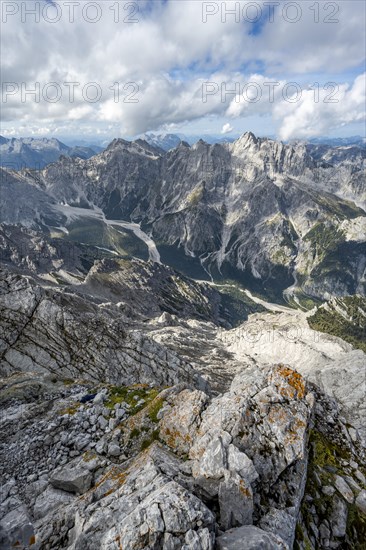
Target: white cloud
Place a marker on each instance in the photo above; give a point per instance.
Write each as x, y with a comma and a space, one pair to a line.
309, 117
227, 128
170, 53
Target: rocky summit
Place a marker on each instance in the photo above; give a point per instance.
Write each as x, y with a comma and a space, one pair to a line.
182, 348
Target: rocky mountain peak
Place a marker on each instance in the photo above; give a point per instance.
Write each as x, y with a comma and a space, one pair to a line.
118, 143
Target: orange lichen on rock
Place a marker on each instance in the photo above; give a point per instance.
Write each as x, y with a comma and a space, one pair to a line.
118, 541
279, 415
244, 489
293, 379
294, 432
172, 436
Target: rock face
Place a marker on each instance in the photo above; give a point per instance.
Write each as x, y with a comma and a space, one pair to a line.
142, 290
270, 215
71, 337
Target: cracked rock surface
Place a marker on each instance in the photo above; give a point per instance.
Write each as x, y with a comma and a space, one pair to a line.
193, 471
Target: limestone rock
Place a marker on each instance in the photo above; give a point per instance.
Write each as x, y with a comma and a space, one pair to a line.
73, 477
344, 489
361, 501
235, 501
49, 500
250, 538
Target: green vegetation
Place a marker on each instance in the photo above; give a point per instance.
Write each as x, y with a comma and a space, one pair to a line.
195, 196
356, 528
237, 298
325, 460
280, 257
94, 232
350, 325
154, 409
305, 301
154, 436
324, 238
299, 532
135, 432
289, 236
325, 452
131, 395
71, 410
335, 206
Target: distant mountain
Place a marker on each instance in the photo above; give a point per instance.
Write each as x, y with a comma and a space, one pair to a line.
334, 142
164, 141
170, 141
36, 153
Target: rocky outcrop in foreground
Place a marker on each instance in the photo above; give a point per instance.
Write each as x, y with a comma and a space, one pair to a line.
267, 464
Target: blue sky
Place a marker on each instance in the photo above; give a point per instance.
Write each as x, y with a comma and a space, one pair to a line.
163, 54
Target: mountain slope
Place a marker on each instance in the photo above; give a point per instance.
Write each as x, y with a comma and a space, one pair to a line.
343, 317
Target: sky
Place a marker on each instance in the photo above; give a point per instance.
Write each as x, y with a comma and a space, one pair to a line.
106, 69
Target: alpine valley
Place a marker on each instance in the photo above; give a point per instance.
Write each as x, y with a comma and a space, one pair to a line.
182, 345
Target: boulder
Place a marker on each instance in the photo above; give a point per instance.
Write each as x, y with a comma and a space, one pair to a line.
344, 489
280, 523
73, 477
249, 537
16, 528
361, 501
50, 500
235, 502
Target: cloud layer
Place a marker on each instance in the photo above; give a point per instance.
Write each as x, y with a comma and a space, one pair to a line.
144, 65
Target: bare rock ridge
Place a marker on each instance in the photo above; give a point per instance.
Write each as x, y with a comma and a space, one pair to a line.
36, 153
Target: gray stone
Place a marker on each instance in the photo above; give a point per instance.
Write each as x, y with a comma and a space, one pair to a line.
328, 490
361, 501
113, 449
353, 484
235, 501
324, 531
49, 500
103, 422
16, 528
281, 524
113, 422
360, 477
120, 413
338, 517
344, 489
213, 463
72, 477
249, 537
100, 398
239, 462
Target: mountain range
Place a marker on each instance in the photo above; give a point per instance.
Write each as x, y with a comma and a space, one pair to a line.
286, 221
36, 153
